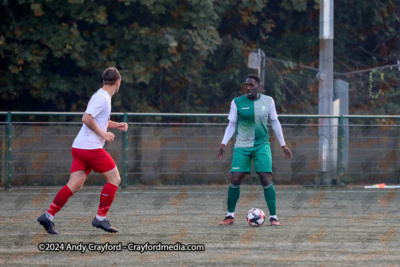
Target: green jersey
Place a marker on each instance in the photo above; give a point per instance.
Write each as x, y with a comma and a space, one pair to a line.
252, 119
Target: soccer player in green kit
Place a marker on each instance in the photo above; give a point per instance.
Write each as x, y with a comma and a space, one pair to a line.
250, 114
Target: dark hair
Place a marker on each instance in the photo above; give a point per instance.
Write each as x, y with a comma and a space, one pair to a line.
255, 77
110, 76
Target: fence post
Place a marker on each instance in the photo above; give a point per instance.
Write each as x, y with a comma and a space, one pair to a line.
339, 164
9, 149
125, 154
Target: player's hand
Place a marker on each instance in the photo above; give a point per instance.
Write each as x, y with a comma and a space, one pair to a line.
109, 137
288, 153
122, 126
220, 151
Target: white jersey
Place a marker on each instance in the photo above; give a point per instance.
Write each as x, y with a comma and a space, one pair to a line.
100, 108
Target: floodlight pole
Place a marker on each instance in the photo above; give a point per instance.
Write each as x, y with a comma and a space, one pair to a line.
325, 103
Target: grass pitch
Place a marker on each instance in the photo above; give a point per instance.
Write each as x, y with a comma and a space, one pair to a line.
320, 227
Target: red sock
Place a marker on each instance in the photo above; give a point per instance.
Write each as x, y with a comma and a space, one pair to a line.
106, 198
60, 200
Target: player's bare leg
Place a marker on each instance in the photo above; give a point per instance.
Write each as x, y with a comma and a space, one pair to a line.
270, 196
106, 198
75, 183
233, 196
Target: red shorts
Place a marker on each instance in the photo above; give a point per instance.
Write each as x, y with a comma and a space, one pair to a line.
91, 159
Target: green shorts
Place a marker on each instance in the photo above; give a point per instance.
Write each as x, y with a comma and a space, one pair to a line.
261, 155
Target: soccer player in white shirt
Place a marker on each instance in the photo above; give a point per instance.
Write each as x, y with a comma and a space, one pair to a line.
88, 154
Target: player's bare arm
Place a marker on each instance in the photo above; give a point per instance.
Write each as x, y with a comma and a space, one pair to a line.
118, 125
229, 131
288, 153
220, 151
92, 125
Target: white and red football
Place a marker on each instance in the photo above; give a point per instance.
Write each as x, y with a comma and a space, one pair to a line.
255, 217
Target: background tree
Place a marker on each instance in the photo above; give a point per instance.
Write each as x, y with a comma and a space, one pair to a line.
191, 56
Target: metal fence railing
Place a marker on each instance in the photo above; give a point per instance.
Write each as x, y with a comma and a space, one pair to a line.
178, 150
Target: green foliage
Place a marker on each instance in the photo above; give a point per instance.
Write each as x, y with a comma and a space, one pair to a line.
366, 36
53, 52
189, 56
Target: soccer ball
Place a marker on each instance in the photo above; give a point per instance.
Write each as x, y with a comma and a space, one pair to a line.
255, 217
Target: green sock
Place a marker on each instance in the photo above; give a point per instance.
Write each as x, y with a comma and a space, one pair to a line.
233, 196
270, 198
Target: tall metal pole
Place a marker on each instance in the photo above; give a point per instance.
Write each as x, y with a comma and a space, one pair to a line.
325, 104
9, 150
261, 70
125, 154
